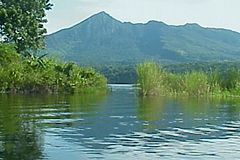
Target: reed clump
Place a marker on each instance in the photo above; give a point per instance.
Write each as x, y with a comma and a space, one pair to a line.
153, 80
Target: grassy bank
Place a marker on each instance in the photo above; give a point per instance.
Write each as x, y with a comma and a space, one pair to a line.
153, 80
42, 75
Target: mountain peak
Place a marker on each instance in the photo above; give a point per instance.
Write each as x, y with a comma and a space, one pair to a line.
101, 17
103, 13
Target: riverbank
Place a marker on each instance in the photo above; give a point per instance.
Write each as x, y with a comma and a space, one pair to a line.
34, 74
153, 80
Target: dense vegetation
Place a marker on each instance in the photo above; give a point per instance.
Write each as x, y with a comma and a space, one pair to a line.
32, 74
114, 42
118, 73
126, 73
153, 80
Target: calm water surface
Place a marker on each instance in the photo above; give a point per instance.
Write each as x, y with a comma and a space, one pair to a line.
119, 125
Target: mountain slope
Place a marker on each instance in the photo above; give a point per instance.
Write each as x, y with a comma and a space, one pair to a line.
101, 39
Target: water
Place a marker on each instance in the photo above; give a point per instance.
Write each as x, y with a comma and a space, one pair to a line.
119, 125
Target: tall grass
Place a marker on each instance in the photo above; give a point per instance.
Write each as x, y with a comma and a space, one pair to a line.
150, 78
153, 80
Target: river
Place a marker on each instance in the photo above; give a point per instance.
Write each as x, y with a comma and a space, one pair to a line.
119, 125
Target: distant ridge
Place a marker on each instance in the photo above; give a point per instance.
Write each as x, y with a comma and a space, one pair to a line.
101, 39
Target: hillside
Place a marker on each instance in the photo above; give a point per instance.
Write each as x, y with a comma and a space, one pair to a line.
101, 39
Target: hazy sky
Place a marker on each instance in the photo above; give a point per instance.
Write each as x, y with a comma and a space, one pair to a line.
207, 13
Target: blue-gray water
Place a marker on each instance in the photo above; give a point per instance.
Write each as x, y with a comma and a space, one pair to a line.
119, 125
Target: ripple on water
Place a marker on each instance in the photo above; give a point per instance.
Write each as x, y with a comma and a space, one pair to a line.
121, 127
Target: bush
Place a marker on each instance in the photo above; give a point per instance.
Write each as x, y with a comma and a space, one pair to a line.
42, 75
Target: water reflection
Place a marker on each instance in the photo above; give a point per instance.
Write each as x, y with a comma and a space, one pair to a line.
22, 119
191, 127
20, 139
183, 118
151, 108
227, 108
120, 125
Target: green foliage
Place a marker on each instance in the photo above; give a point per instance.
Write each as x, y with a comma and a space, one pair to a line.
152, 80
43, 75
8, 54
21, 22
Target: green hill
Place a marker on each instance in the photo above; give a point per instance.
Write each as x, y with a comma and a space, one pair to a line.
101, 39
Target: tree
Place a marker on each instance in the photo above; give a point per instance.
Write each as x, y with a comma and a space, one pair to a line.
21, 22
